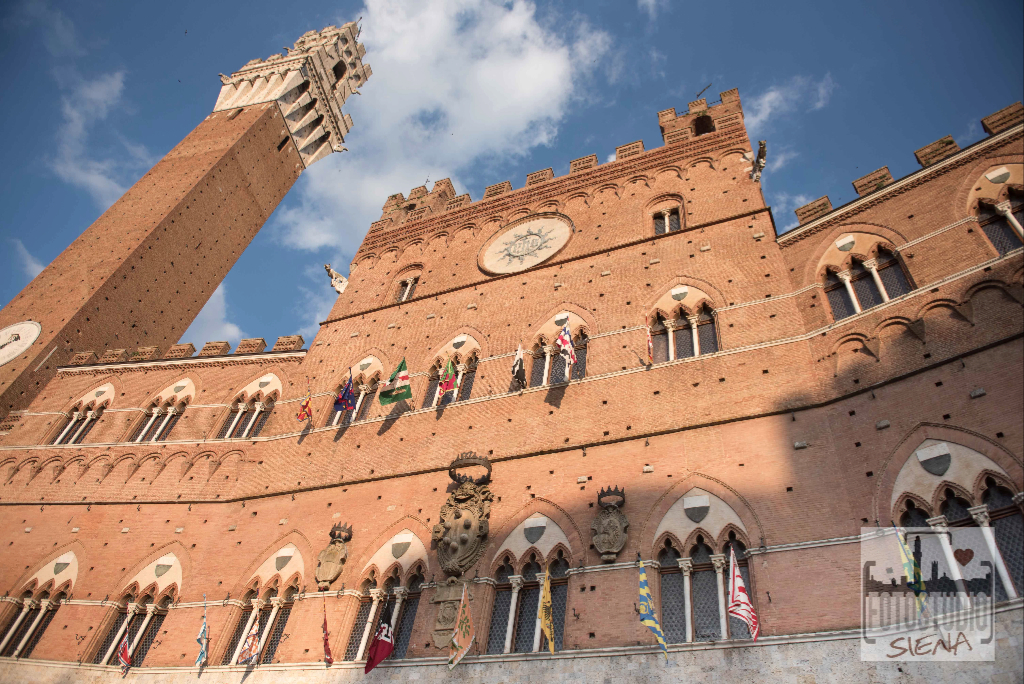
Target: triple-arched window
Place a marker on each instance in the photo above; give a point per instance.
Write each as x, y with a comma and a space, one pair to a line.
464, 379
271, 609
685, 335
247, 418
695, 588
79, 423
995, 223
866, 284
513, 626
365, 392
550, 367
142, 620
26, 628
158, 423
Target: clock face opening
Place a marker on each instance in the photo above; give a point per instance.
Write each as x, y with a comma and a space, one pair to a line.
14, 339
526, 244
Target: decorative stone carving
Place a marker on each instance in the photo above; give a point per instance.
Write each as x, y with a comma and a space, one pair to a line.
338, 281
759, 161
331, 560
447, 598
610, 525
464, 522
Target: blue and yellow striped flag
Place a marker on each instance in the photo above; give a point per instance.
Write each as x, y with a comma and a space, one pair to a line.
647, 614
913, 571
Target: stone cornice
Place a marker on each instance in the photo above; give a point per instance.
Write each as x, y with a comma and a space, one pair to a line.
899, 187
226, 359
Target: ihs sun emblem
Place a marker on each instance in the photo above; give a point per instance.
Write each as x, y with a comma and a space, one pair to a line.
526, 244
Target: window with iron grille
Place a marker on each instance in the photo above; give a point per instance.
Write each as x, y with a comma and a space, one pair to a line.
115, 627
236, 636
579, 369
354, 639
914, 516
684, 340
367, 405
502, 605
955, 508
276, 633
672, 225
133, 629
558, 365
151, 636
864, 286
90, 423
26, 622
537, 368
838, 298
1008, 526
659, 341
468, 377
432, 383
446, 398
154, 427
228, 422
261, 419
704, 587
707, 332
165, 434
999, 232
892, 275
412, 288
243, 422
406, 621
673, 596
559, 570
41, 629
64, 427
737, 628
526, 618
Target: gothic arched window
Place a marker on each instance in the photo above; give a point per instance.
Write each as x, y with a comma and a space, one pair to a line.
894, 280
674, 598
955, 508
406, 620
997, 227
707, 624
579, 369
502, 602
737, 628
559, 570
526, 611
1008, 523
240, 628
156, 621
538, 369
68, 429
362, 617
51, 607
864, 285
369, 397
914, 516
659, 340
468, 378
91, 418
707, 331
259, 420
838, 297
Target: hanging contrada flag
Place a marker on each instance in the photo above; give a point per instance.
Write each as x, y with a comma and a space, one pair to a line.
448, 376
648, 617
564, 342
328, 658
913, 572
124, 657
383, 641
346, 399
306, 405
251, 648
518, 368
547, 623
464, 633
650, 347
203, 639
397, 387
739, 601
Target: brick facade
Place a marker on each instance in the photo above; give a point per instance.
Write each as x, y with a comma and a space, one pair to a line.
794, 420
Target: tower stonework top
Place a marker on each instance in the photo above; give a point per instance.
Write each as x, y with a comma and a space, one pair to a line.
310, 82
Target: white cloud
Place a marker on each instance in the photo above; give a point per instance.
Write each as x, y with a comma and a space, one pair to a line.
212, 324
59, 35
798, 93
29, 264
610, 158
780, 158
783, 204
651, 7
455, 85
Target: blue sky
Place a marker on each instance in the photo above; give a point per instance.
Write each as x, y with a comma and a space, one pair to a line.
478, 91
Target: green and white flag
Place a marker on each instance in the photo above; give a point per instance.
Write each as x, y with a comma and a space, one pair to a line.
397, 387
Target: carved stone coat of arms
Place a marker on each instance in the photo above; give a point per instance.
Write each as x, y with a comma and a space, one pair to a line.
610, 524
331, 560
464, 523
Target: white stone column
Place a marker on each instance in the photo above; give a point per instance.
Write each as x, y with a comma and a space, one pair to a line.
376, 595
872, 266
275, 604
25, 607
980, 515
536, 629
257, 408
461, 368
671, 327
845, 277
44, 606
156, 412
938, 523
130, 611
719, 561
686, 566
548, 350
90, 416
163, 425
517, 584
400, 594
692, 320
71, 423
1006, 210
664, 217
405, 290
150, 612
256, 605
359, 402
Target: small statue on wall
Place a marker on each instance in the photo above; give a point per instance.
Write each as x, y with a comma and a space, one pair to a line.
338, 281
610, 524
331, 560
759, 161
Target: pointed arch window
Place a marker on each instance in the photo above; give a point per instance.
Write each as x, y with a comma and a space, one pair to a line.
894, 279
153, 622
707, 331
366, 603
277, 621
864, 285
675, 590
526, 613
659, 340
737, 628
1008, 525
259, 420
368, 398
579, 369
235, 422
405, 620
914, 516
69, 428
955, 508
22, 628
468, 378
539, 366
433, 380
559, 570
997, 228
35, 631
707, 623
241, 628
502, 603
838, 295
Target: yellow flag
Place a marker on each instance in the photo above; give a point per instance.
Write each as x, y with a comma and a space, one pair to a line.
547, 624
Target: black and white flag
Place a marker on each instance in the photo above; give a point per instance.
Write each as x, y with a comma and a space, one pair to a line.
518, 368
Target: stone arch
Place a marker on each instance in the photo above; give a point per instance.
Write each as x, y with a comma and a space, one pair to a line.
259, 387
976, 187
172, 561
265, 566
510, 535
580, 318
976, 452
680, 296
959, 490
468, 339
691, 541
59, 568
866, 237
409, 545
101, 394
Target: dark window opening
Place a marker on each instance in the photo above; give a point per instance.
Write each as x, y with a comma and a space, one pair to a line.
703, 124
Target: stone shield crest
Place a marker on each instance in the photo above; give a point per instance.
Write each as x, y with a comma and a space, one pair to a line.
464, 522
331, 560
610, 526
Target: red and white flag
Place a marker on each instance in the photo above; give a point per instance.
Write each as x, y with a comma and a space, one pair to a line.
564, 343
124, 658
383, 642
250, 652
739, 601
328, 658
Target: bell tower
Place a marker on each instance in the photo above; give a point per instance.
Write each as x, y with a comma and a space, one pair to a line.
140, 274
